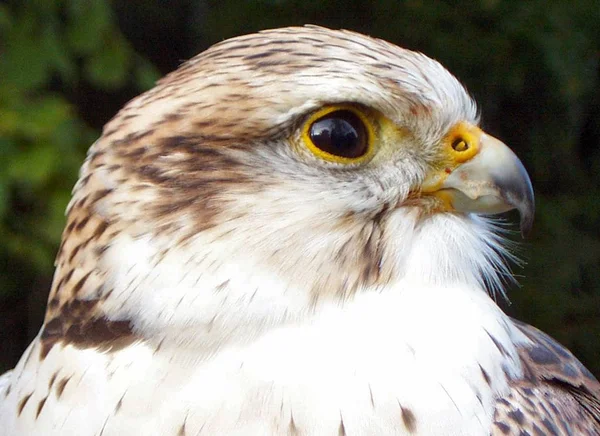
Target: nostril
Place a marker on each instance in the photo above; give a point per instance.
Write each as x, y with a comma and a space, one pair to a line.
460, 145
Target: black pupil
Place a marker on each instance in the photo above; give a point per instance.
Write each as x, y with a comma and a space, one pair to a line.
341, 133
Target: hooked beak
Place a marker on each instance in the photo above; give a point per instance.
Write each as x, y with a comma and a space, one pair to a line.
493, 180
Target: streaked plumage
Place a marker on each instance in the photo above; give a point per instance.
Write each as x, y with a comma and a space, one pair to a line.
219, 276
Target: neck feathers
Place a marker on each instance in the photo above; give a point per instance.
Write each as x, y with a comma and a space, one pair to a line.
119, 277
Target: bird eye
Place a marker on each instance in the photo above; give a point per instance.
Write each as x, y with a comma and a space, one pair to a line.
338, 135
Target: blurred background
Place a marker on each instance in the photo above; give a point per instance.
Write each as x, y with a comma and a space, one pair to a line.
67, 66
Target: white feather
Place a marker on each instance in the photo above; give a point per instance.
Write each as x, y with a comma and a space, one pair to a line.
269, 357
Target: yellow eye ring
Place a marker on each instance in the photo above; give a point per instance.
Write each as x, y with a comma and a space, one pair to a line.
340, 134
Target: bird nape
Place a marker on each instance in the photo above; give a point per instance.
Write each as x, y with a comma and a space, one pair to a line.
291, 234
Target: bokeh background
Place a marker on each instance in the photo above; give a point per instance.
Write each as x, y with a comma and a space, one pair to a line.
67, 66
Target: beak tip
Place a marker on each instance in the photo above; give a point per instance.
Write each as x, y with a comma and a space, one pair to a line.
526, 224
518, 192
526, 210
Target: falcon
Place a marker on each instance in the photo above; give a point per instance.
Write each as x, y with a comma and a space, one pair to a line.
290, 235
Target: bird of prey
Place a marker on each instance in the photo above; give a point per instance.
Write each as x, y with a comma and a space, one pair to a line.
290, 235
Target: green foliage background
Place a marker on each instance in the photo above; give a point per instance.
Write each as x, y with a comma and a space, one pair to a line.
66, 66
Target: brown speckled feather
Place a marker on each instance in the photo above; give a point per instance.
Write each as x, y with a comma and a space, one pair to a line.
557, 395
220, 275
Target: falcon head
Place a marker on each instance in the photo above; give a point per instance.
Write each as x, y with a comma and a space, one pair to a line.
283, 169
